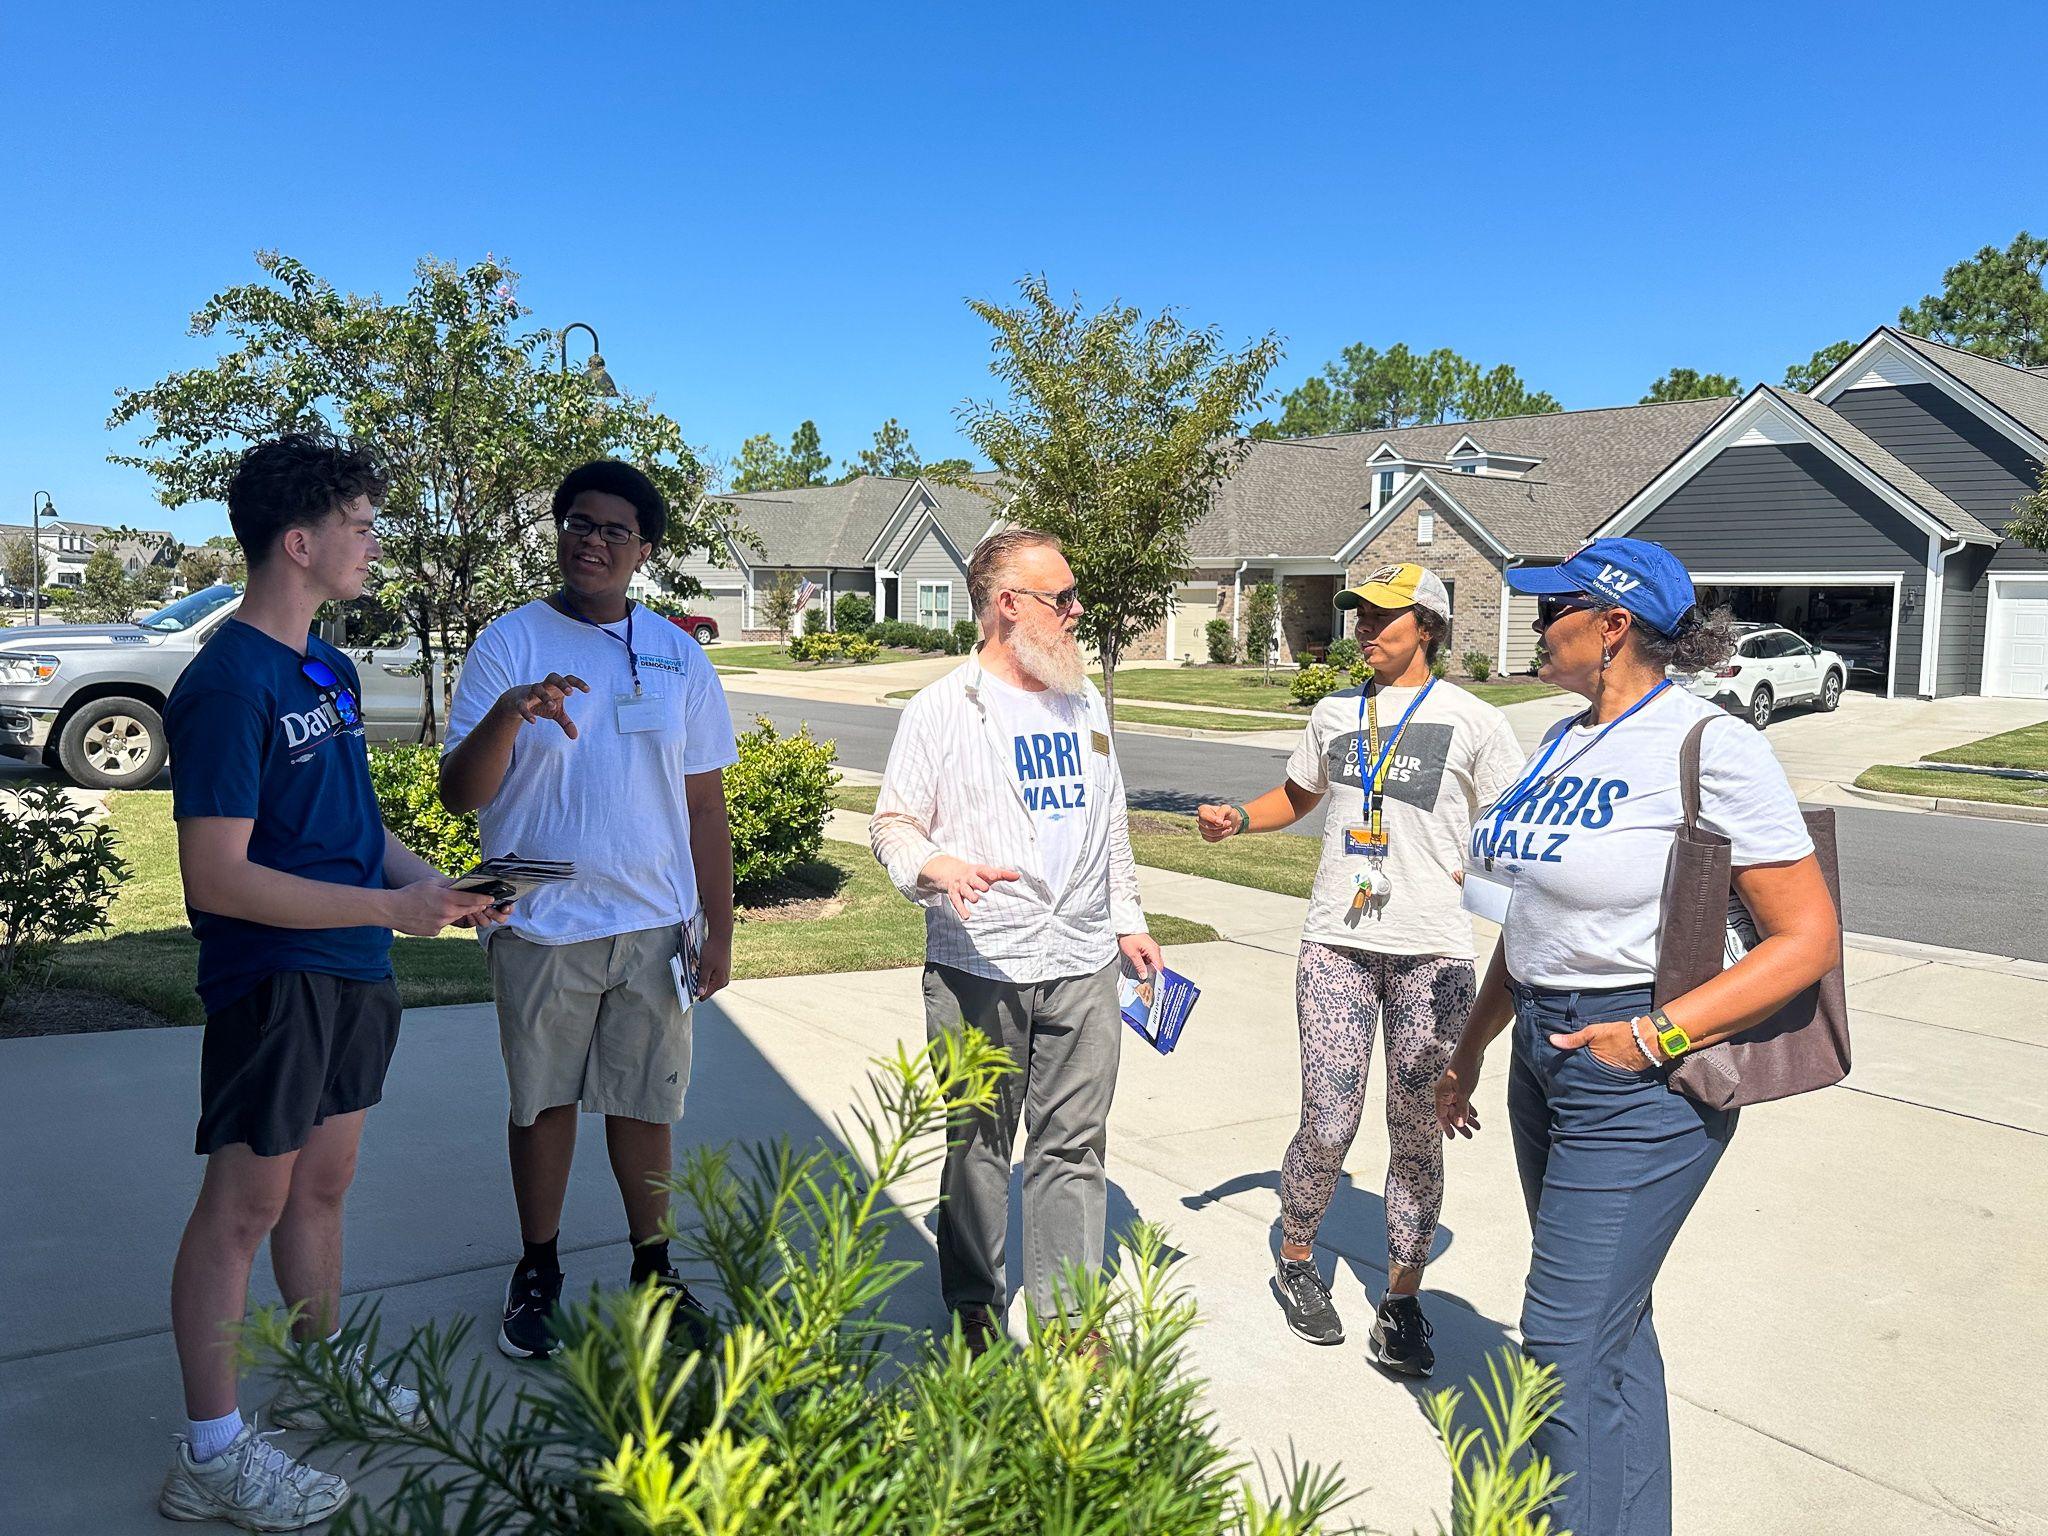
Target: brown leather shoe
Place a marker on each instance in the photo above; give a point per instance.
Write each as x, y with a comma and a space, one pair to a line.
979, 1327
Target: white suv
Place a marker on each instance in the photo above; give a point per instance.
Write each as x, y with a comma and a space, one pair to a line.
1771, 667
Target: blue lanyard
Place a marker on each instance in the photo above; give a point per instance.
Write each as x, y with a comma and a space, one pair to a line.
1370, 792
1534, 782
632, 661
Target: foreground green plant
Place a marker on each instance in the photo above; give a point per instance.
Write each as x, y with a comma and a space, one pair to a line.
815, 1412
59, 873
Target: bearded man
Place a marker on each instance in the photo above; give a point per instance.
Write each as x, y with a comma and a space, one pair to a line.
1002, 814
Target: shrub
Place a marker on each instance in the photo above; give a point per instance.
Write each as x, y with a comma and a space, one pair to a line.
778, 797
1441, 666
816, 645
913, 637
853, 610
966, 635
855, 646
1222, 643
1478, 666
1313, 682
408, 784
815, 1414
1540, 659
1344, 653
59, 872
1359, 672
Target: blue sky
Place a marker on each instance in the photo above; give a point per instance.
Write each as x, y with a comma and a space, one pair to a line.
775, 211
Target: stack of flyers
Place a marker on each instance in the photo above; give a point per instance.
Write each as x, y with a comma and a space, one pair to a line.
510, 878
684, 965
1157, 1006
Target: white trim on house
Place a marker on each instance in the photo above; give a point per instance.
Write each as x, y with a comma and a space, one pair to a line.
935, 586
1393, 455
1994, 684
893, 522
1765, 414
1883, 361
1896, 580
1375, 525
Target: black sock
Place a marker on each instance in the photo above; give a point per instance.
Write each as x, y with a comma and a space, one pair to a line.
650, 1258
541, 1256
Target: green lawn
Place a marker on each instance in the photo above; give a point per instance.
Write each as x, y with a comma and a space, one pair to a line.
742, 658
1246, 688
2026, 747
1954, 786
856, 797
840, 914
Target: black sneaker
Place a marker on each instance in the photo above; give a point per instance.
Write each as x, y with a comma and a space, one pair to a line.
691, 1315
1306, 1301
1400, 1337
528, 1332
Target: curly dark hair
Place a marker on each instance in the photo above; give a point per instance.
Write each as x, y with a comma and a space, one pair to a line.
615, 477
1703, 641
296, 481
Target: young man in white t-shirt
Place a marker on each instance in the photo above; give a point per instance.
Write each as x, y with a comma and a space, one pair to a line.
1405, 761
1002, 814
588, 729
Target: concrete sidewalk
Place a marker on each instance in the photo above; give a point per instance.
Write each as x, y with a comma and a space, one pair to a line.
1851, 1319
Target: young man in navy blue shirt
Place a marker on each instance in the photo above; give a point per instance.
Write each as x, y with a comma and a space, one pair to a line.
294, 887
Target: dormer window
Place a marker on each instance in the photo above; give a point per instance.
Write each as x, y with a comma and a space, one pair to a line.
1389, 478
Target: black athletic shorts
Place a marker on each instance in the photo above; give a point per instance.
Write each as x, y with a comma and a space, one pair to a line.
297, 1047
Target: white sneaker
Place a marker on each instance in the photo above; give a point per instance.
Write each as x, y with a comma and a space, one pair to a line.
401, 1403
252, 1484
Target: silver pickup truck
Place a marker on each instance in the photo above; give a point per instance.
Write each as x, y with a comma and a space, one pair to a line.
94, 693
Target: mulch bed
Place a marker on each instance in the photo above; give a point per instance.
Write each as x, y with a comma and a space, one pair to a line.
31, 1011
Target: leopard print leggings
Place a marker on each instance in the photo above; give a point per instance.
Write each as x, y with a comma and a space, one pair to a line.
1339, 994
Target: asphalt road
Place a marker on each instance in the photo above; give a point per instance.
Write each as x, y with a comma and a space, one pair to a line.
1957, 881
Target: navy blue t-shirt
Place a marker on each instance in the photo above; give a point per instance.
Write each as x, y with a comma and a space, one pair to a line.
251, 740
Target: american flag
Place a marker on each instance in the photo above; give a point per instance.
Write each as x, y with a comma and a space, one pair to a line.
807, 590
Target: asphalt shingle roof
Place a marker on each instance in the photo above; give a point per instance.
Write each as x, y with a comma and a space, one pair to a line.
1883, 463
2022, 393
835, 525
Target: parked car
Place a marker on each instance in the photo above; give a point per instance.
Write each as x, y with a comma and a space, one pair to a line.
95, 692
700, 627
1771, 667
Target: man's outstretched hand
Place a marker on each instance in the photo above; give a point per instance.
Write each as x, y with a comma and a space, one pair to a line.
963, 883
547, 699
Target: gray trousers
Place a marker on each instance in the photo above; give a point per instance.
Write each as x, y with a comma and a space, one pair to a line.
1064, 1036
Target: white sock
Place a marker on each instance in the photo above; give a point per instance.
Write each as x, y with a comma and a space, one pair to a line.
210, 1437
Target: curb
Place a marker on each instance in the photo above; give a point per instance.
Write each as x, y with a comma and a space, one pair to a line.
1941, 954
1983, 810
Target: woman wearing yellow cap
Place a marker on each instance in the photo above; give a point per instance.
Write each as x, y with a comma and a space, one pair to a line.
1407, 761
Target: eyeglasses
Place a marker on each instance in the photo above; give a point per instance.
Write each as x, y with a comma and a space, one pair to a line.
332, 690
1064, 601
1550, 609
577, 526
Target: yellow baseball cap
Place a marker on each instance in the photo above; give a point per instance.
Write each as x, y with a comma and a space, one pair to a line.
1400, 586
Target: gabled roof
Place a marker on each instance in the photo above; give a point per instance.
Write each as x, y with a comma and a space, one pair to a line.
1884, 464
839, 525
1287, 497
2021, 393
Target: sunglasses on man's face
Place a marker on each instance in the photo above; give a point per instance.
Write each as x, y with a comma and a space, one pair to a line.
1062, 601
1550, 609
332, 690
577, 526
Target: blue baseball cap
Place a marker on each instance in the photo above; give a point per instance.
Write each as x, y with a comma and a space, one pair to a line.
1645, 578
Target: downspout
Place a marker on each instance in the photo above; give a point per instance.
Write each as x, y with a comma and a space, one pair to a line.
1237, 602
1931, 614
1500, 661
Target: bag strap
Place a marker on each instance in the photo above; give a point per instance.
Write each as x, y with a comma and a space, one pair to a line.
1689, 773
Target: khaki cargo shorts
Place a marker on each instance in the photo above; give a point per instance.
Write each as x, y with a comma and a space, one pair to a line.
596, 1022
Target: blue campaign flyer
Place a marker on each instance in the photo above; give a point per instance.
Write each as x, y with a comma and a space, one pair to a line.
1158, 1006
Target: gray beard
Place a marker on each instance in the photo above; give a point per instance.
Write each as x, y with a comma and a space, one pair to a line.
1054, 662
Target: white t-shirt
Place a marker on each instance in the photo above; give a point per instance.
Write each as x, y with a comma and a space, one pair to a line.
1455, 755
611, 801
1586, 858
1044, 737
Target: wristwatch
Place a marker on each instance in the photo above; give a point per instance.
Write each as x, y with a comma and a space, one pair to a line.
1674, 1041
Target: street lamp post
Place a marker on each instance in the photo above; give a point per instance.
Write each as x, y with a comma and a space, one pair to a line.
594, 370
44, 505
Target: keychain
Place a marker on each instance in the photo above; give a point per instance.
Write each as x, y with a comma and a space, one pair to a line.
1373, 886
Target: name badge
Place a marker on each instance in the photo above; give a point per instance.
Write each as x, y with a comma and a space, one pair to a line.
1361, 840
1486, 894
637, 712
1099, 742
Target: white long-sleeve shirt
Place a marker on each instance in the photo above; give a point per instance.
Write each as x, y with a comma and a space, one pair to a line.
949, 789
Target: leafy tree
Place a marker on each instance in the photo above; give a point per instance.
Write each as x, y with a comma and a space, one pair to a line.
209, 564
1995, 303
1261, 611
808, 461
106, 594
1803, 376
947, 471
1116, 432
1689, 384
781, 602
1368, 390
470, 413
890, 454
18, 560
764, 465
2029, 523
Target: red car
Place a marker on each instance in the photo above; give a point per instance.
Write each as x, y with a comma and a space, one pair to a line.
700, 627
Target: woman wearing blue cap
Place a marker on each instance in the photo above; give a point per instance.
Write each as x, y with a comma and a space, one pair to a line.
1571, 860
1404, 762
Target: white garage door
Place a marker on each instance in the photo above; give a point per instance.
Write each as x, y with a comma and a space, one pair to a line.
2016, 640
